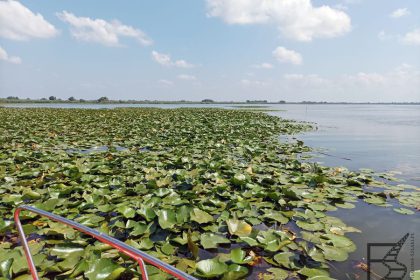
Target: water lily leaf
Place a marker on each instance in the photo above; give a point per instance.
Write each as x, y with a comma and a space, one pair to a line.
279, 274
404, 211
66, 250
6, 268
183, 214
321, 277
239, 256
127, 211
80, 268
5, 224
167, 218
235, 272
200, 216
211, 268
310, 226
146, 244
346, 205
211, 240
311, 272
239, 228
147, 212
333, 253
250, 241
339, 241
239, 179
104, 269
168, 249
375, 200
277, 216
285, 259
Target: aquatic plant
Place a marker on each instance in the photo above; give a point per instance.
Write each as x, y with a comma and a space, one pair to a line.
213, 192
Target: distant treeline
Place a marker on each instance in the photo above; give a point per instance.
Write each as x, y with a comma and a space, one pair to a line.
104, 99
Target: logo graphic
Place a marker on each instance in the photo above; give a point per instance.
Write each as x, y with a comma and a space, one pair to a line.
396, 270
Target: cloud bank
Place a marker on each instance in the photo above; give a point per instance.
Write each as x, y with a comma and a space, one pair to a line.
296, 19
19, 23
101, 31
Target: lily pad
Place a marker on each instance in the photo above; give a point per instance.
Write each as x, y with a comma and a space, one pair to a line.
211, 268
404, 211
200, 216
239, 228
104, 269
211, 240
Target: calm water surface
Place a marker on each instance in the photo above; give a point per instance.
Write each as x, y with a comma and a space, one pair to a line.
379, 137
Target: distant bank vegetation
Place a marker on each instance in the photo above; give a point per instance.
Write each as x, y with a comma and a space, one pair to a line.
104, 99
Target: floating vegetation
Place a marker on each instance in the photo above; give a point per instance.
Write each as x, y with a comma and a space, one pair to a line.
211, 191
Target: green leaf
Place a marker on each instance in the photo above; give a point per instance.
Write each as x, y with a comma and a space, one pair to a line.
346, 205
277, 216
375, 200
250, 241
146, 244
239, 256
104, 269
200, 216
211, 268
168, 249
333, 253
235, 272
416, 275
403, 211
321, 277
66, 250
310, 226
311, 272
211, 240
167, 218
127, 211
339, 241
285, 259
6, 268
239, 179
239, 228
279, 274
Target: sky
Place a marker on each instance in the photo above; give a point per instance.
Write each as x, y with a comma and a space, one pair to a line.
225, 50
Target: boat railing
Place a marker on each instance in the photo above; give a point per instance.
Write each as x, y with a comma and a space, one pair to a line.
139, 256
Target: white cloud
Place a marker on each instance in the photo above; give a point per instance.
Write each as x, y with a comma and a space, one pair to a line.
297, 19
19, 23
166, 83
102, 31
403, 77
399, 13
12, 59
264, 65
412, 38
287, 56
253, 83
166, 60
186, 77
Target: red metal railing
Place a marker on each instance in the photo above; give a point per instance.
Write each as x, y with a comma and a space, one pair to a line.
134, 253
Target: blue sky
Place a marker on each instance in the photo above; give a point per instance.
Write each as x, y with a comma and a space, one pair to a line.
294, 50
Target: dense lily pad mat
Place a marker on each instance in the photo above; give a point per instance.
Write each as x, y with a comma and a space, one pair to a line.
210, 191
